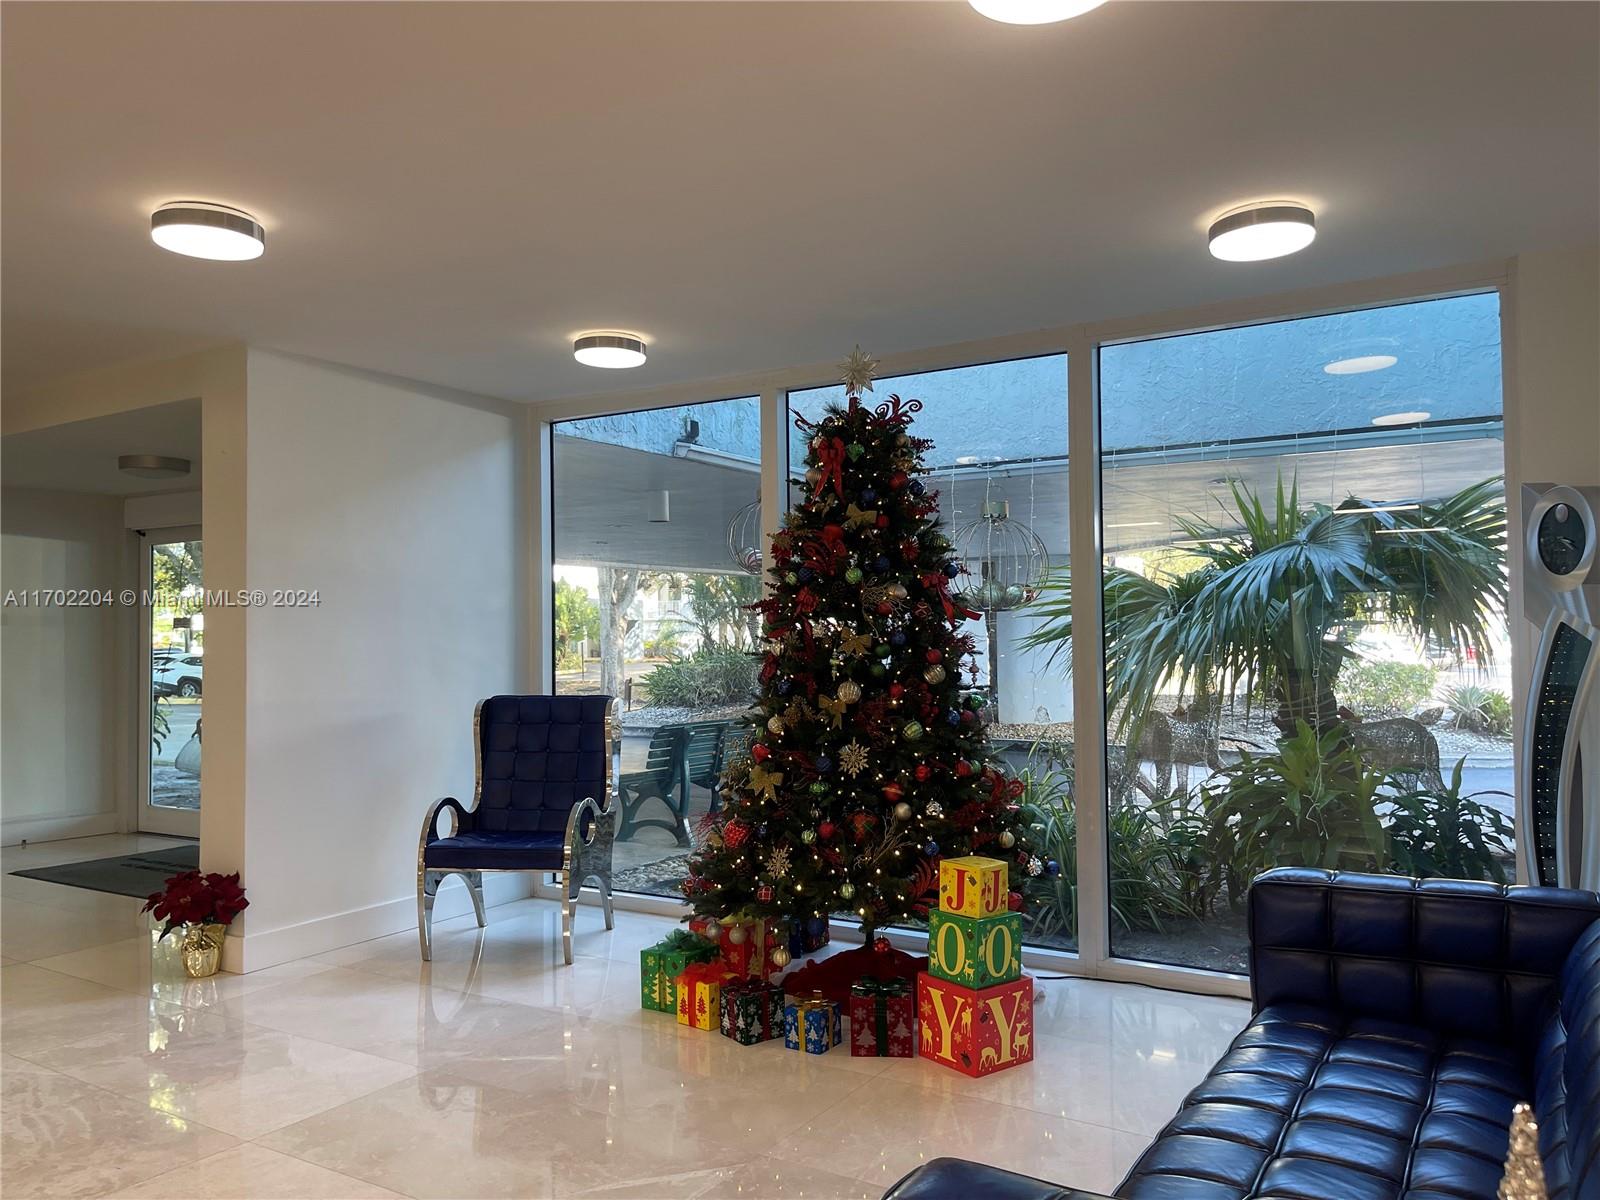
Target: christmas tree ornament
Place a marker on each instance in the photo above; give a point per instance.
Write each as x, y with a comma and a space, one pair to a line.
849, 691
780, 957
882, 945
846, 890
1014, 901
759, 752
911, 730
826, 830
1052, 867
818, 788
853, 759
922, 773
777, 863
852, 575
897, 638
1007, 839
933, 673
934, 809
878, 670
791, 578
736, 934
892, 791
963, 768
808, 836
902, 811
824, 764
855, 450
775, 724
764, 893
934, 656
931, 849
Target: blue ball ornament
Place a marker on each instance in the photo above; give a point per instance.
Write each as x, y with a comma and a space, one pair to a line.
897, 638
881, 564
868, 495
953, 717
1052, 867
806, 574
785, 686
931, 849
824, 764
915, 487
952, 569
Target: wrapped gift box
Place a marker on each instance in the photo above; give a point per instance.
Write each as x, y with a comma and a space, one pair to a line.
973, 886
751, 1011
807, 935
661, 964
976, 1031
812, 1023
977, 952
751, 956
700, 992
883, 1015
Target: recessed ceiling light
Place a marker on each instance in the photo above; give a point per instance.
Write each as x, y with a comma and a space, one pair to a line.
201, 230
1261, 231
613, 351
1402, 418
1361, 364
1033, 12
152, 466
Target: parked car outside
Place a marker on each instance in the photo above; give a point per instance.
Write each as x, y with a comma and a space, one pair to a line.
176, 674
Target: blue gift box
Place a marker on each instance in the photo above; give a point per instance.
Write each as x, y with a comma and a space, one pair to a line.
807, 935
813, 1024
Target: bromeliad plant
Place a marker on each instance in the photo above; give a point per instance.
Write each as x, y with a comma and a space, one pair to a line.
192, 898
1446, 834
1277, 592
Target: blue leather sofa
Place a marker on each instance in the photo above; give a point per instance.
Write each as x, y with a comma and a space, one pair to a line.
1396, 1022
544, 799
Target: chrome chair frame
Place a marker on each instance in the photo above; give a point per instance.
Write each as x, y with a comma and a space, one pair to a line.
583, 857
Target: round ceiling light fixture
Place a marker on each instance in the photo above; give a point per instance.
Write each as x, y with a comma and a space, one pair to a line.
1261, 231
1361, 364
200, 230
1033, 12
1402, 418
614, 351
152, 466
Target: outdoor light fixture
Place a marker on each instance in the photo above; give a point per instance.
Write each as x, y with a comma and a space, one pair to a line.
1261, 231
1033, 12
152, 466
200, 230
1402, 418
613, 351
1361, 364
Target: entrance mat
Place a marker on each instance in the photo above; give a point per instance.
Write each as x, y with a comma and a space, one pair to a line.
129, 875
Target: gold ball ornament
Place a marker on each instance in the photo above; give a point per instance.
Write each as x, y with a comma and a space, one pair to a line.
850, 691
902, 811
780, 957
1007, 839
933, 673
774, 724
736, 935
846, 890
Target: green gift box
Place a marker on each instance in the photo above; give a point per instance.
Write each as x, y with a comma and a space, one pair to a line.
661, 964
976, 952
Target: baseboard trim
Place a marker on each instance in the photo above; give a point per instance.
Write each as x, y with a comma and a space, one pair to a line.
256, 951
16, 830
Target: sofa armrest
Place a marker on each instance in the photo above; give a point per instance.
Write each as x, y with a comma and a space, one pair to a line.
958, 1179
1475, 959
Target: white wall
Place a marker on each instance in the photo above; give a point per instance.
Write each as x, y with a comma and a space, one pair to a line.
65, 683
403, 510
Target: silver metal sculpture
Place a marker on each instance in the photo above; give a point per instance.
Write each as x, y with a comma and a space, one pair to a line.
1005, 561
744, 538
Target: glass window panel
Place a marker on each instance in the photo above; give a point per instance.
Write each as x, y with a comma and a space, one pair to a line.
1305, 625
999, 433
650, 508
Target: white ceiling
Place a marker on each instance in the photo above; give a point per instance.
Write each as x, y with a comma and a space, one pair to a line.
453, 191
81, 456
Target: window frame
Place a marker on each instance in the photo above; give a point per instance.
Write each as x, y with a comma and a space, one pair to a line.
1081, 344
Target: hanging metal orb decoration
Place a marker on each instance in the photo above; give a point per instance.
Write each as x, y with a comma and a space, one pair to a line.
744, 538
1005, 561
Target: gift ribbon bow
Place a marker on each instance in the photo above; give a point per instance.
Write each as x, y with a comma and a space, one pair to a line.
855, 516
681, 940
830, 456
834, 708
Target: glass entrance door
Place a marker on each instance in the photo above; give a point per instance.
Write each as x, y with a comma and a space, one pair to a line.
173, 669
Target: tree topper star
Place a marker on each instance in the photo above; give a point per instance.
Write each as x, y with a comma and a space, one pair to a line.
858, 371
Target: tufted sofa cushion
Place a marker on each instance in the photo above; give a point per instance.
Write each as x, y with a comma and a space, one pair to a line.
540, 755
1566, 1098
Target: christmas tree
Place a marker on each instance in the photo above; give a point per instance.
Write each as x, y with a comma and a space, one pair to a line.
867, 764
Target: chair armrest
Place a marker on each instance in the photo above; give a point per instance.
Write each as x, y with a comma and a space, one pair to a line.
463, 818
1478, 959
576, 831
958, 1179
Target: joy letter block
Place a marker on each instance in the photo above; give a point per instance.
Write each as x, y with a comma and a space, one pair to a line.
973, 886
977, 1031
975, 951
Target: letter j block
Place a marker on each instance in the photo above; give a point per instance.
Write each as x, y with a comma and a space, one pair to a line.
973, 886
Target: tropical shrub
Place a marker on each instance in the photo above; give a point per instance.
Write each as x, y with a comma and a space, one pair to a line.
1387, 689
1448, 835
712, 675
667, 643
1477, 709
1312, 803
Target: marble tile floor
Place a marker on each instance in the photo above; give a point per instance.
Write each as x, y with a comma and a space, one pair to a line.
498, 1071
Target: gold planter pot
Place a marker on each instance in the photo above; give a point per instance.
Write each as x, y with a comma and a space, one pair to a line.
201, 949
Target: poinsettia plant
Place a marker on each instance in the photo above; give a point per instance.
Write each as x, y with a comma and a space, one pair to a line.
192, 898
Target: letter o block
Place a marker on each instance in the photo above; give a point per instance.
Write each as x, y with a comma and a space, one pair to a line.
977, 952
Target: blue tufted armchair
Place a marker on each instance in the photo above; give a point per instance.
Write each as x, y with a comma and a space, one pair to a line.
544, 800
